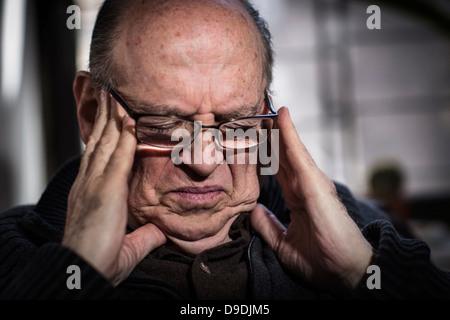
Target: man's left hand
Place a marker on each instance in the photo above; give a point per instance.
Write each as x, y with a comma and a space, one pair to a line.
322, 243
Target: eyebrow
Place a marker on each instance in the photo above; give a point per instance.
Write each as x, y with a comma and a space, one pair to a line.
242, 112
140, 107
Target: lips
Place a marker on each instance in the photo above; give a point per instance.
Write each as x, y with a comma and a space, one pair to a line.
200, 190
199, 195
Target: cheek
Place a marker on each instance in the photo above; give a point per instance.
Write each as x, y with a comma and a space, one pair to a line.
147, 175
245, 184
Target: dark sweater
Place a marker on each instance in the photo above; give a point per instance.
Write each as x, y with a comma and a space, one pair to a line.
33, 264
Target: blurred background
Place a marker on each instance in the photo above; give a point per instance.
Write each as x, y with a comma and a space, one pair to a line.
371, 105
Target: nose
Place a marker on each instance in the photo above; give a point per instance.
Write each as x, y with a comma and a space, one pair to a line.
204, 155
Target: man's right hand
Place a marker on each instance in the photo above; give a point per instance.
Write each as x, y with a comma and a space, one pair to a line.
98, 201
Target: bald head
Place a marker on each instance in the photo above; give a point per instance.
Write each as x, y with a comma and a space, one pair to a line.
227, 26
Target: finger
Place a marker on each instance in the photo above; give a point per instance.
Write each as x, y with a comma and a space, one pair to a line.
267, 226
298, 172
122, 159
295, 153
101, 119
136, 246
141, 242
108, 141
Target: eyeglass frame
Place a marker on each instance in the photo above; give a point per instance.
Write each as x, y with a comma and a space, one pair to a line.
136, 116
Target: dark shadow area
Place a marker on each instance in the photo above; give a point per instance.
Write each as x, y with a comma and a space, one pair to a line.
435, 207
57, 49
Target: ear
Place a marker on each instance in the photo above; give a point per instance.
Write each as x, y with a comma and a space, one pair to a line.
87, 103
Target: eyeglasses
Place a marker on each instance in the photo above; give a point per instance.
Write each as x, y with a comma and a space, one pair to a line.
169, 132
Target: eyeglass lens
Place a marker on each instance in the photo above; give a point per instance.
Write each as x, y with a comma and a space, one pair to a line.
168, 132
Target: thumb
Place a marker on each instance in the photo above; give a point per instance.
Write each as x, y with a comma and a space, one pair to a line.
267, 226
145, 239
136, 246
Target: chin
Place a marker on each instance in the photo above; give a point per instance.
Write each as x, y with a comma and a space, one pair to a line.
196, 227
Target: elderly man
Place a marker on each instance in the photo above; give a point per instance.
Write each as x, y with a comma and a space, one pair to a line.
137, 224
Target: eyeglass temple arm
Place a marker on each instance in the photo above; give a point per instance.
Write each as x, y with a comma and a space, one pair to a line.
121, 101
271, 107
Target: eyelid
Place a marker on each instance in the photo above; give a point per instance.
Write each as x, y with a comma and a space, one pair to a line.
139, 107
218, 119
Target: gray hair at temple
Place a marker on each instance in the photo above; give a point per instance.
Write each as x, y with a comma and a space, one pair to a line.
107, 26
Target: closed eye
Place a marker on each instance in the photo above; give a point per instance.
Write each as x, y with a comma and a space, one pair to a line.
244, 124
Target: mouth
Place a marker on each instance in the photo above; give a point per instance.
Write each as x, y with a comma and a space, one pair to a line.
199, 195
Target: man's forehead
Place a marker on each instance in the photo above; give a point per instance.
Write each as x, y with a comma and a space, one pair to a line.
165, 22
196, 47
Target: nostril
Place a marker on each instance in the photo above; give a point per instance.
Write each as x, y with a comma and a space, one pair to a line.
198, 172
